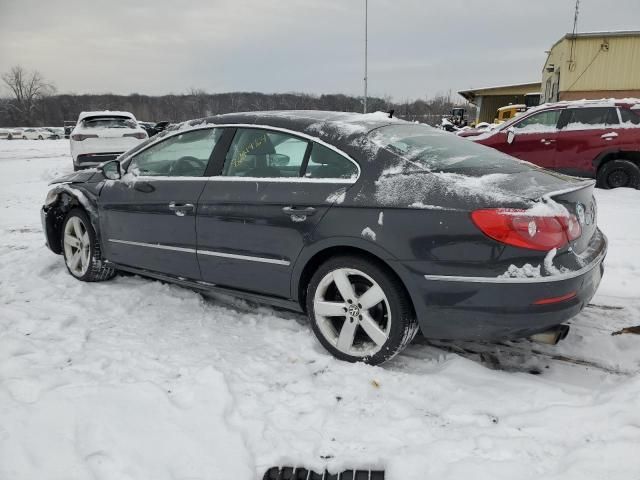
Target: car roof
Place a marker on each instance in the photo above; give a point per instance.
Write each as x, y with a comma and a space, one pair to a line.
604, 102
338, 128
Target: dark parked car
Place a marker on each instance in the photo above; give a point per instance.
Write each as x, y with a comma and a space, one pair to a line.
154, 128
374, 227
589, 138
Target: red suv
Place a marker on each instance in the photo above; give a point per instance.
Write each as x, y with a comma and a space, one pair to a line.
589, 138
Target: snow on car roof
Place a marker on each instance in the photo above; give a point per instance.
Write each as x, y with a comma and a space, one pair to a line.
105, 113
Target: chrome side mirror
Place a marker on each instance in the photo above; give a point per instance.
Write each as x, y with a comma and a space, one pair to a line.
111, 170
511, 135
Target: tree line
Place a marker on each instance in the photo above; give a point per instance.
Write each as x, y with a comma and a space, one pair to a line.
34, 103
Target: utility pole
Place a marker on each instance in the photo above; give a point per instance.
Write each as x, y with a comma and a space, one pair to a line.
366, 25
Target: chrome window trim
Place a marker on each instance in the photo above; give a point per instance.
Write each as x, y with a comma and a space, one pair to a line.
259, 127
213, 253
554, 278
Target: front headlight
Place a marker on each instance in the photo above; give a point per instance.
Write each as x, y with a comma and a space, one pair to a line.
52, 196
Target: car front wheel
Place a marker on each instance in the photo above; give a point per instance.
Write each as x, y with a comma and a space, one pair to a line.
81, 249
619, 173
359, 312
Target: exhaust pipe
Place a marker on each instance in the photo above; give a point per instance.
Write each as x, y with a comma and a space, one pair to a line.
552, 336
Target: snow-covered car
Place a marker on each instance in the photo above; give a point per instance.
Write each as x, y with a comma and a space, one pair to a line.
373, 226
57, 132
5, 134
37, 134
589, 138
101, 136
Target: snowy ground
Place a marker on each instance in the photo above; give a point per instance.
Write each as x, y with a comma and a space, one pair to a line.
135, 379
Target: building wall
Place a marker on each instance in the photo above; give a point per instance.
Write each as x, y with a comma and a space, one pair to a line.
599, 94
487, 110
601, 64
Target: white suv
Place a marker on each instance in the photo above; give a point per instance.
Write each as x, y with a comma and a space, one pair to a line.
102, 136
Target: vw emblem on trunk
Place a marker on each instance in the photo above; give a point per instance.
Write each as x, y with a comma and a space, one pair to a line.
580, 213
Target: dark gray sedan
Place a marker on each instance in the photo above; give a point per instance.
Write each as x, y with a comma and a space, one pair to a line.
374, 227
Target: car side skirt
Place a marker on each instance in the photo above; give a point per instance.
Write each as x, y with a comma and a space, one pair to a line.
206, 287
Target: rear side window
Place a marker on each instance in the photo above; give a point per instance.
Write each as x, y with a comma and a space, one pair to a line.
109, 122
629, 117
327, 163
184, 155
591, 117
539, 122
261, 153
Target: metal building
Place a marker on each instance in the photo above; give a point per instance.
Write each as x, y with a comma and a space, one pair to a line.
489, 99
593, 65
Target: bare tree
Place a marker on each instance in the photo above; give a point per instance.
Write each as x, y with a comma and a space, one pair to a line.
28, 88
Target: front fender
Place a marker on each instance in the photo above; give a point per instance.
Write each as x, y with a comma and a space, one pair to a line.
61, 198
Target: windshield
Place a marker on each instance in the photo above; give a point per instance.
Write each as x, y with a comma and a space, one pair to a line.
423, 148
109, 122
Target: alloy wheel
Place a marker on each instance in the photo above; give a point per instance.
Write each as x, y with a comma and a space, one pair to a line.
352, 312
77, 246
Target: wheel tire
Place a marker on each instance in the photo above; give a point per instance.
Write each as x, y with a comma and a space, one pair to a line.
40, 137
92, 267
619, 173
394, 313
24, 137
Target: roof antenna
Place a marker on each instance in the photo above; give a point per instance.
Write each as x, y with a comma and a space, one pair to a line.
390, 112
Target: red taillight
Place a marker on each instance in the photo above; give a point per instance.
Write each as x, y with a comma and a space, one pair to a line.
517, 228
82, 136
140, 135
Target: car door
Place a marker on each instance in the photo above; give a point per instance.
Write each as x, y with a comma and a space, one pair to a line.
586, 132
148, 217
534, 138
256, 216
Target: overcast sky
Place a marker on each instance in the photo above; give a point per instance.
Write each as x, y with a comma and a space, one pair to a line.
416, 47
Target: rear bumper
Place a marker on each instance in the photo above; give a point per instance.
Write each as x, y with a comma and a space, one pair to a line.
494, 308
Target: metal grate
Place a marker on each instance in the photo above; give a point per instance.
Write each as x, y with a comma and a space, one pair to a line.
296, 473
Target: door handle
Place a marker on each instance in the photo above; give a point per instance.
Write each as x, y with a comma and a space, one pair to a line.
609, 136
180, 209
306, 211
547, 141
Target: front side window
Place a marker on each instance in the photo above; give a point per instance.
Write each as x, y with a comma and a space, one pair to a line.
327, 163
591, 117
539, 122
258, 153
183, 155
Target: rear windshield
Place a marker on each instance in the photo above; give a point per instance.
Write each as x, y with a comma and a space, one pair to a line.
108, 122
423, 148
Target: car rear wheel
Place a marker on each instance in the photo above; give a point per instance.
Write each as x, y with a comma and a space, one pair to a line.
359, 312
81, 249
619, 173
